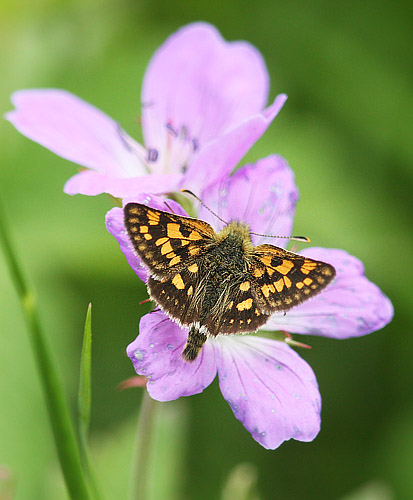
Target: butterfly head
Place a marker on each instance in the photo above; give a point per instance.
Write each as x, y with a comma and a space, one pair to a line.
238, 232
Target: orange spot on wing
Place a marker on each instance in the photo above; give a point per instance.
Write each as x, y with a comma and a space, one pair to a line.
153, 218
287, 281
308, 266
175, 260
166, 248
285, 267
245, 304
178, 282
279, 285
161, 241
174, 230
258, 272
266, 260
267, 289
193, 250
194, 235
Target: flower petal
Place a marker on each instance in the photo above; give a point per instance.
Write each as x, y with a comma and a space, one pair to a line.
157, 354
77, 131
351, 306
198, 81
93, 183
270, 389
219, 158
262, 194
116, 226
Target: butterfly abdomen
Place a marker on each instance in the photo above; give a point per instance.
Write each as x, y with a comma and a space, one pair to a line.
196, 339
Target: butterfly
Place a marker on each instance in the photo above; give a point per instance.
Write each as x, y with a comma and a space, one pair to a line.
218, 283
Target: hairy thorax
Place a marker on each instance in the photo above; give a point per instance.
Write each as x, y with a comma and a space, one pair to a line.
225, 264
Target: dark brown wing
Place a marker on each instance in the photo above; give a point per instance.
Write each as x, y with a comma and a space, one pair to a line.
284, 279
185, 297
165, 242
180, 296
237, 311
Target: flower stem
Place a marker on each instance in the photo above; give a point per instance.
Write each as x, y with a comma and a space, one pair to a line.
144, 440
64, 435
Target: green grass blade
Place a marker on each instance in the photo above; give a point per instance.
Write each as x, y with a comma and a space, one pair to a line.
84, 398
85, 403
62, 427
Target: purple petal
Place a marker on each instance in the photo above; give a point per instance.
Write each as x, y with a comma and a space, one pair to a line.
116, 226
157, 354
262, 195
93, 183
219, 158
77, 131
270, 389
198, 81
351, 306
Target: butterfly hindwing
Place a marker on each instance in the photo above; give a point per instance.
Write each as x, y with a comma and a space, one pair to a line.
284, 279
238, 310
187, 297
165, 242
180, 295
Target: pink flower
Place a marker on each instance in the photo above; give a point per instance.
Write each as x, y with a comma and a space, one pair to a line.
269, 388
202, 109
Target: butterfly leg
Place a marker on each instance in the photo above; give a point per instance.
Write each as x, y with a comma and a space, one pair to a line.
196, 339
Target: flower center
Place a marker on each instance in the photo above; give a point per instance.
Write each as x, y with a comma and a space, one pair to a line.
176, 151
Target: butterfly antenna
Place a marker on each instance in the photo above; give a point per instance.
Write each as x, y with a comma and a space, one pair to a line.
187, 191
294, 238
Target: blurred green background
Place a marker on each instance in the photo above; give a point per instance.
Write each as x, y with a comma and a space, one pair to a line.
346, 132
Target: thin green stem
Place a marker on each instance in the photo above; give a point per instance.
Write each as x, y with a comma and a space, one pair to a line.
143, 445
64, 435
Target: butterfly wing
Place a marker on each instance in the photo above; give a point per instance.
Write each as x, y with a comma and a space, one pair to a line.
166, 242
284, 279
187, 296
237, 311
180, 295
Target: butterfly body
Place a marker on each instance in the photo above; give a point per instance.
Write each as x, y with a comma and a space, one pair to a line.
218, 283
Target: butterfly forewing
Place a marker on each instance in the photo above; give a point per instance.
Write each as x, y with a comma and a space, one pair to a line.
165, 242
284, 279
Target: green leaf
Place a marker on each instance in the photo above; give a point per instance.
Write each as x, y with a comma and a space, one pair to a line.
85, 403
85, 393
